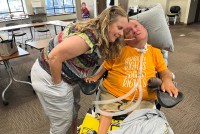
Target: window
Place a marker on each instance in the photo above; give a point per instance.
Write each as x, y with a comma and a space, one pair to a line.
11, 8
60, 6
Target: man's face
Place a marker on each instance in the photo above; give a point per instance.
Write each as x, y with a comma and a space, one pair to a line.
135, 31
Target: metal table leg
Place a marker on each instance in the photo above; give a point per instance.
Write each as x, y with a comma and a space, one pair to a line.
10, 72
55, 29
31, 39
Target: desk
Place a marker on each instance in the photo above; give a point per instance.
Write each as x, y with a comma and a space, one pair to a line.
40, 44
23, 26
55, 23
6, 59
60, 23
17, 26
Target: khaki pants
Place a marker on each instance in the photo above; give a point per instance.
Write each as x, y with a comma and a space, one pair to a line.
122, 105
57, 100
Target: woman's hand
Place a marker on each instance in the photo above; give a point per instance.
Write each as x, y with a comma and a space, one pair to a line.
101, 70
91, 79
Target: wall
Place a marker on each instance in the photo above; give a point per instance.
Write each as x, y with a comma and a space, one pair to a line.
166, 4
147, 3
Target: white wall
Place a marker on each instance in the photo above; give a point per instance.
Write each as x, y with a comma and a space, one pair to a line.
166, 4
147, 3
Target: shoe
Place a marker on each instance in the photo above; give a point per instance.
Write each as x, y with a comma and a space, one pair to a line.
165, 100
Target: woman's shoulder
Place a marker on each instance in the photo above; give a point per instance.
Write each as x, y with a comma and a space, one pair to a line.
91, 33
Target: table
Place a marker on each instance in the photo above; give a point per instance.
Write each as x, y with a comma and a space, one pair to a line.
40, 44
6, 59
55, 23
16, 27
60, 23
63, 24
24, 26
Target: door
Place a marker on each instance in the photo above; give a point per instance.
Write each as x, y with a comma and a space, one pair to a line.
197, 16
78, 10
123, 4
101, 5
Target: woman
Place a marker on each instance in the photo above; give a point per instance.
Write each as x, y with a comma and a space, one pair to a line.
71, 55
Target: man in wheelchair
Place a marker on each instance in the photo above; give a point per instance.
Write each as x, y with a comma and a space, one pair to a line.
137, 63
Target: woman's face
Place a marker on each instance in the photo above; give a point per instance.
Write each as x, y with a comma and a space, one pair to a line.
116, 28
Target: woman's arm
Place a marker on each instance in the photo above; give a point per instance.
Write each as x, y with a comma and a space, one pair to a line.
69, 48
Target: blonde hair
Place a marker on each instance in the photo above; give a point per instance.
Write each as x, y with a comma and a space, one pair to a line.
101, 24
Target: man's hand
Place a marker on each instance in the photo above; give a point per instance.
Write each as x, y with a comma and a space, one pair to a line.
167, 85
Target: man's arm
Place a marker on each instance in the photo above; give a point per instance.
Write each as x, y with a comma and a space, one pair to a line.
167, 84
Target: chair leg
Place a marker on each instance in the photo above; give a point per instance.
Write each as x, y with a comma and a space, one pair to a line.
50, 34
167, 19
39, 35
175, 20
22, 40
46, 35
25, 42
34, 34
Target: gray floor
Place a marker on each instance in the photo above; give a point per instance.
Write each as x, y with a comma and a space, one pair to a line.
24, 114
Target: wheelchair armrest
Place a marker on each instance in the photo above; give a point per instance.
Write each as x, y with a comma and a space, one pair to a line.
120, 117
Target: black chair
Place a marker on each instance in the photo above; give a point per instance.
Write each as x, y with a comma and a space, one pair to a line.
40, 29
16, 33
174, 13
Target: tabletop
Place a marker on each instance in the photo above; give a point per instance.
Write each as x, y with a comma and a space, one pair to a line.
15, 27
21, 52
59, 22
23, 26
56, 22
39, 44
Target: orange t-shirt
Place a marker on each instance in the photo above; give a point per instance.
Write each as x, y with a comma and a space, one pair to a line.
122, 72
